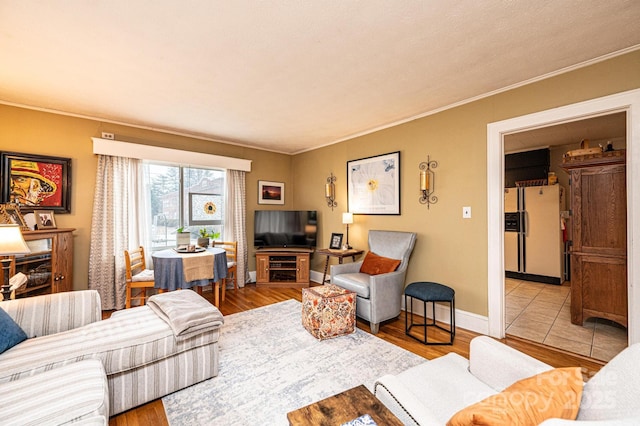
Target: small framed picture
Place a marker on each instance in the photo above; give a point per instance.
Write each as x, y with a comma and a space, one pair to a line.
270, 192
10, 214
336, 241
45, 219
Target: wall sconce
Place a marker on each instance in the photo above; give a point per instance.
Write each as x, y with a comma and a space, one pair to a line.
347, 219
427, 182
330, 191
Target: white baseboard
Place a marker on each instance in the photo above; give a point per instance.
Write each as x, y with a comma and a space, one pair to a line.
317, 276
467, 320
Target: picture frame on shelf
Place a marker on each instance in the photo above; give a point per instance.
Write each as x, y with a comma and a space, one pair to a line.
45, 219
373, 185
10, 214
270, 192
336, 241
35, 181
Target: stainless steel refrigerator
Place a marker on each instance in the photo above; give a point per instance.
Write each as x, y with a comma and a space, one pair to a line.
533, 239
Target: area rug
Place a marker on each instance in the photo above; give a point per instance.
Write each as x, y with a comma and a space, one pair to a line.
270, 365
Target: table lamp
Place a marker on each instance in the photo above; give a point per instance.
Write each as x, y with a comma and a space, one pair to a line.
347, 219
11, 243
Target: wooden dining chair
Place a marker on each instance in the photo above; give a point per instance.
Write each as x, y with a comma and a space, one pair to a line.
138, 276
231, 247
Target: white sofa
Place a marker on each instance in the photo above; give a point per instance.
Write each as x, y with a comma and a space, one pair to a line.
431, 393
143, 355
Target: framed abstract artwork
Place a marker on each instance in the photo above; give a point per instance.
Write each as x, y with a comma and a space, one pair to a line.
373, 184
35, 181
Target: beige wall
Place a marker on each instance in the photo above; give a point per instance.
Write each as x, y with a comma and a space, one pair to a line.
449, 249
33, 132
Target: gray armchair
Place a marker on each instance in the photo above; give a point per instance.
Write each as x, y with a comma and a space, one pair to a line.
379, 297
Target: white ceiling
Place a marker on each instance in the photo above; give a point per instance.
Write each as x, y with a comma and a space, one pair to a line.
291, 75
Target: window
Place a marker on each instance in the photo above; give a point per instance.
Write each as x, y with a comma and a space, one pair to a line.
181, 196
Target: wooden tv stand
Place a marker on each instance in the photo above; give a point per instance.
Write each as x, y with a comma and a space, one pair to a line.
282, 267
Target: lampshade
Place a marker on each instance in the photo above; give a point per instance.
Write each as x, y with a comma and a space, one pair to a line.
11, 241
347, 218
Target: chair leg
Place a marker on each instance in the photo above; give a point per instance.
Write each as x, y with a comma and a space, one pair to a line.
127, 302
374, 327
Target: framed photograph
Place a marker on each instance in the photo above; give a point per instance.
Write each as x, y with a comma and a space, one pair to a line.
10, 214
45, 219
373, 184
336, 242
270, 192
36, 181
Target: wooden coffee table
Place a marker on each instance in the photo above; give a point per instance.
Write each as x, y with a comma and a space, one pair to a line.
343, 407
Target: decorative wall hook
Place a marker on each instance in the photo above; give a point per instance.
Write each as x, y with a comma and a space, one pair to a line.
427, 182
330, 191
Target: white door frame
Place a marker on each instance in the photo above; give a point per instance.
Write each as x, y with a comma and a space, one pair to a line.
628, 102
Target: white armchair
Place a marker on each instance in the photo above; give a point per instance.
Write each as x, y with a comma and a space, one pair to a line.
379, 297
432, 392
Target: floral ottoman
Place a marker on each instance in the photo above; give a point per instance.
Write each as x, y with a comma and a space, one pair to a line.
328, 311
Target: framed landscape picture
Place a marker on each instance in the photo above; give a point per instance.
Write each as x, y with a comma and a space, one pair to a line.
36, 181
373, 184
270, 192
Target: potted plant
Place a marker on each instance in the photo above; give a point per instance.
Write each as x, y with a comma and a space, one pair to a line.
183, 237
203, 240
206, 236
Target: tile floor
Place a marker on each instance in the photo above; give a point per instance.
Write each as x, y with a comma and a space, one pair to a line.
541, 313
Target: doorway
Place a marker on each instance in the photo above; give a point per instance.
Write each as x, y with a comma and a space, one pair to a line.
627, 103
538, 307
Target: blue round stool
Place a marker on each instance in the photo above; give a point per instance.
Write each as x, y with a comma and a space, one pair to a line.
429, 292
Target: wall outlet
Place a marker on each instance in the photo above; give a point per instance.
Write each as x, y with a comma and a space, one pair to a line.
106, 135
466, 212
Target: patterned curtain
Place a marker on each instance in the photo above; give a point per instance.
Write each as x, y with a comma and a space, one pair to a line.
235, 227
112, 229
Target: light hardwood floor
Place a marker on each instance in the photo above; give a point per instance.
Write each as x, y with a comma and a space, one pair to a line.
392, 331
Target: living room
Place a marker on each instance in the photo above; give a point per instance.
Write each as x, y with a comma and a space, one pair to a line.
449, 249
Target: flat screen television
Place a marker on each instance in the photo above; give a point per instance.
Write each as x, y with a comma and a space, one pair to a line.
285, 228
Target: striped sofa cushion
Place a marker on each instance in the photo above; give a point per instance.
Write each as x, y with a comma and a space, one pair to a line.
75, 393
53, 313
129, 339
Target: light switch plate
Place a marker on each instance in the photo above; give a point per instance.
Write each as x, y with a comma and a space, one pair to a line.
466, 212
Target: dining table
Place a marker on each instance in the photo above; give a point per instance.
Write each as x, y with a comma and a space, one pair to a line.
175, 269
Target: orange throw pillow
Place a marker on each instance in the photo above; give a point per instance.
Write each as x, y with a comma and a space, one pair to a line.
375, 265
552, 394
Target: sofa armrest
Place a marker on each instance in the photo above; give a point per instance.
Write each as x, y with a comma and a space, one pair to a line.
53, 313
634, 421
499, 365
345, 268
402, 402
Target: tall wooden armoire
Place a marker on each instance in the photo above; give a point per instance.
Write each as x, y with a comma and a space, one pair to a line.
598, 225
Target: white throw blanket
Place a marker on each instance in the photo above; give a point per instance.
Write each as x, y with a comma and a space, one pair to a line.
186, 312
